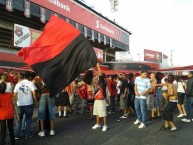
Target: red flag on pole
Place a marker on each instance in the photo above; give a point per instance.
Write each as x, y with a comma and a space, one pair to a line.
59, 55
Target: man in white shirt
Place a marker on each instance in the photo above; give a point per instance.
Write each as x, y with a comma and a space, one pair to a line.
142, 87
25, 95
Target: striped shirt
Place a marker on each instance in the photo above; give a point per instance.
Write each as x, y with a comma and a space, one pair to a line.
142, 85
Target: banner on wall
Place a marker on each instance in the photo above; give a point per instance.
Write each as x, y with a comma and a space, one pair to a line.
123, 56
82, 15
99, 54
27, 12
42, 15
9, 5
24, 36
152, 56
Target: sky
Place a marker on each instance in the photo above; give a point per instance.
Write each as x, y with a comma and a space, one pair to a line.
160, 25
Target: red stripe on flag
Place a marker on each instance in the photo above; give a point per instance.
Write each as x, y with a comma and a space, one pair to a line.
57, 35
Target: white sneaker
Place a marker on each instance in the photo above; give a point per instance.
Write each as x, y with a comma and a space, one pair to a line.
52, 132
96, 126
185, 120
41, 134
141, 126
181, 115
173, 129
104, 128
124, 117
137, 122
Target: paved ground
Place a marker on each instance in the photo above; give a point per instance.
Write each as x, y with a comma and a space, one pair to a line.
76, 130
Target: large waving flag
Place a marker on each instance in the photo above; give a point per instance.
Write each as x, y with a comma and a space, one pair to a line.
59, 55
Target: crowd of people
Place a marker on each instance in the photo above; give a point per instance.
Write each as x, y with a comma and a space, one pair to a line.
93, 92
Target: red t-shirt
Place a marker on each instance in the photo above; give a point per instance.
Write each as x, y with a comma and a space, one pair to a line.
112, 87
6, 106
101, 94
82, 90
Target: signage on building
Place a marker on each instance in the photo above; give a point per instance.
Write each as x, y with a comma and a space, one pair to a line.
72, 10
24, 36
152, 56
123, 56
99, 54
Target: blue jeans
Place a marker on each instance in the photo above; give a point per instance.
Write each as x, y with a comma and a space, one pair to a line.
141, 111
46, 101
159, 98
28, 111
189, 102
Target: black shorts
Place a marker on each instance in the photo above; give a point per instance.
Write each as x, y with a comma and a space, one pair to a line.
90, 103
62, 99
181, 98
168, 111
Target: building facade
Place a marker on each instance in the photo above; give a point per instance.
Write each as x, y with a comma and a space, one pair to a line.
32, 15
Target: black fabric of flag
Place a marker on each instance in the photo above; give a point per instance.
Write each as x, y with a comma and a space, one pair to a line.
59, 55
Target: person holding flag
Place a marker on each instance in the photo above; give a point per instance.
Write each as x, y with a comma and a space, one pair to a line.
100, 102
59, 55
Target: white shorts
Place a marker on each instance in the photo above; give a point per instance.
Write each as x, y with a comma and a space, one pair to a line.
100, 108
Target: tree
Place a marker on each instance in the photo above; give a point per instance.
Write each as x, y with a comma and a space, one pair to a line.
114, 4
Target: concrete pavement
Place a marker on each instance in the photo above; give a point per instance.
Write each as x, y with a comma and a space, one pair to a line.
77, 130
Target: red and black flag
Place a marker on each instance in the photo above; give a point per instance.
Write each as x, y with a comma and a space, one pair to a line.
59, 55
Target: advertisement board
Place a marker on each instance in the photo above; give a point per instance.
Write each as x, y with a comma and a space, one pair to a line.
152, 56
24, 36
76, 12
123, 56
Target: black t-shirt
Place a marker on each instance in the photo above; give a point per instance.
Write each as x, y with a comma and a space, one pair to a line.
131, 87
124, 85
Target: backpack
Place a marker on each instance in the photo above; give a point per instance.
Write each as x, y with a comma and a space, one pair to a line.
3, 87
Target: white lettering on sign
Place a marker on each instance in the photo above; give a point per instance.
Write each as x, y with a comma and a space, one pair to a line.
26, 36
99, 25
60, 4
150, 55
